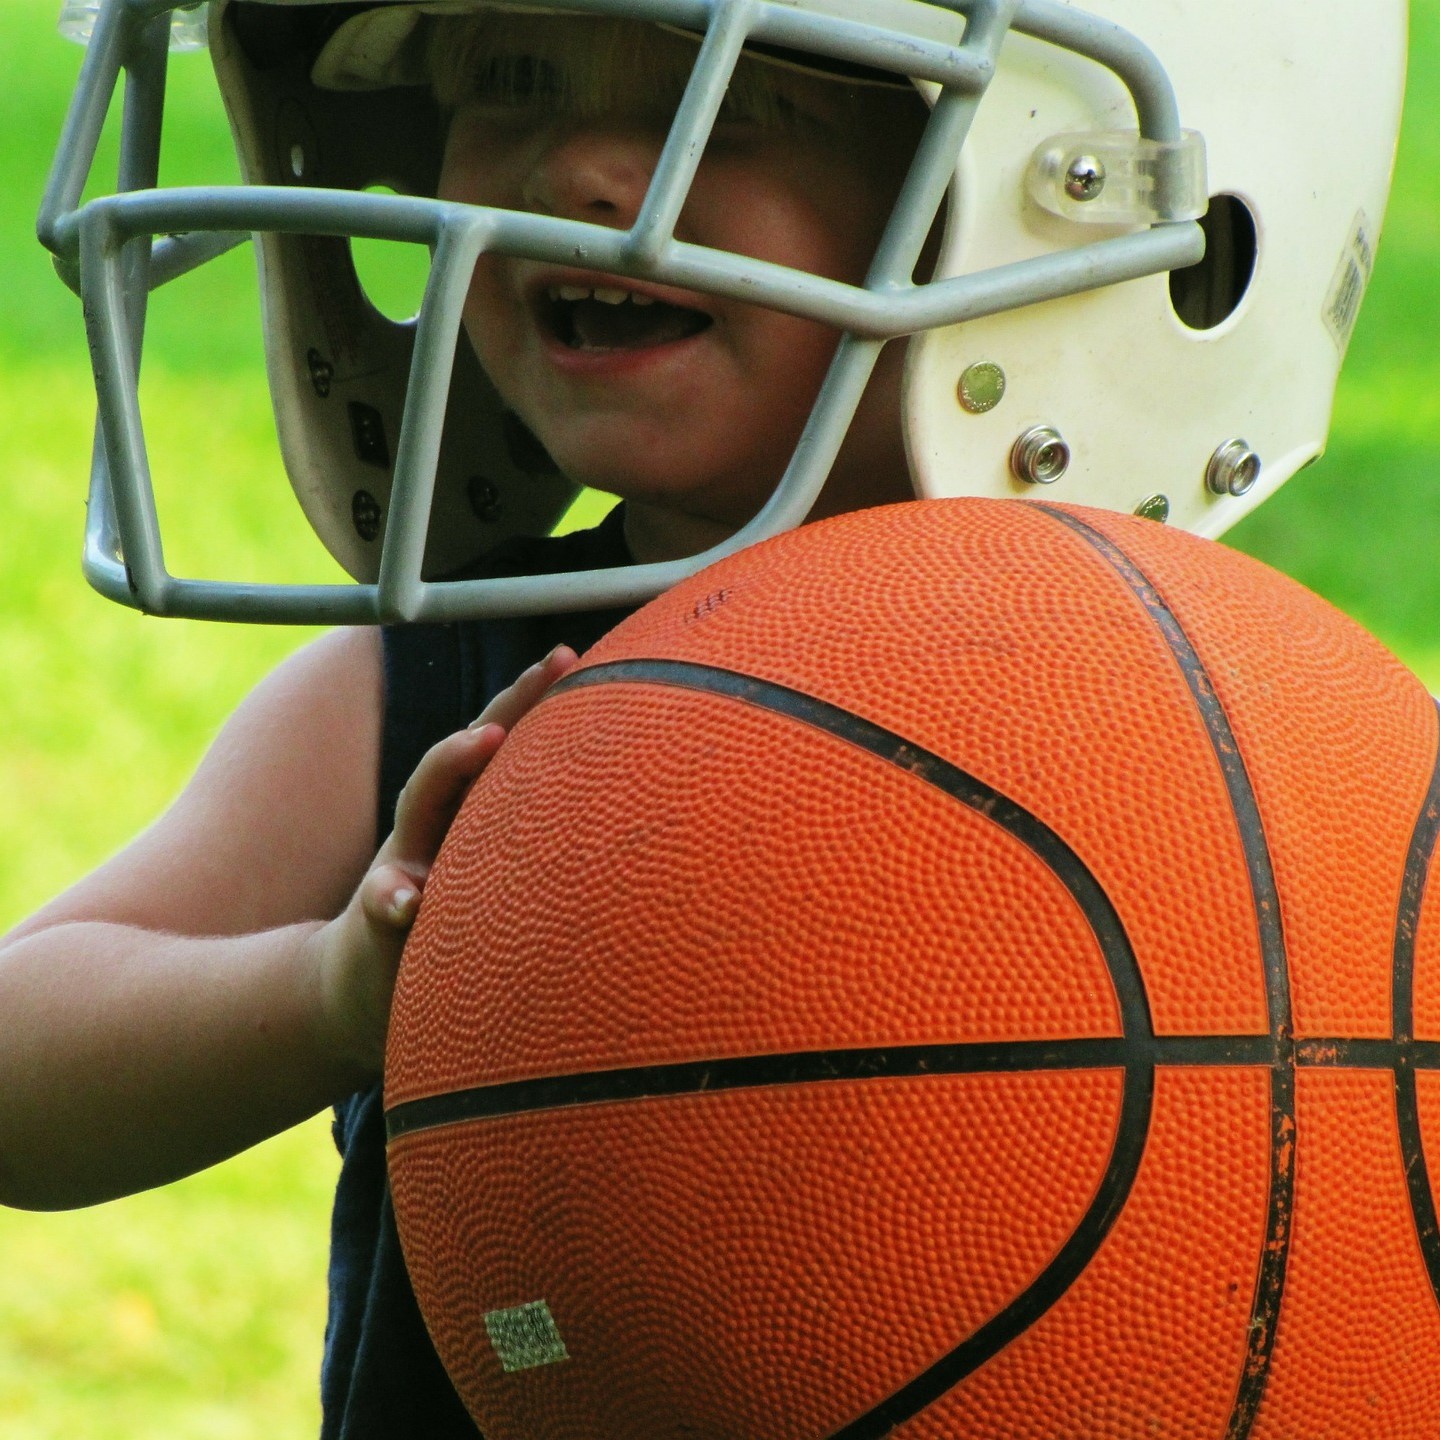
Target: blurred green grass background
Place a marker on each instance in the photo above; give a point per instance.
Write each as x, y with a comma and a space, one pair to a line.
197, 1311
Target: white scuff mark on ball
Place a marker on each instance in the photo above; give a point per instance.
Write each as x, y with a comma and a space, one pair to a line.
525, 1336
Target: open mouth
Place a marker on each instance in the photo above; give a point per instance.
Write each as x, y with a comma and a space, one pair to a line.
603, 318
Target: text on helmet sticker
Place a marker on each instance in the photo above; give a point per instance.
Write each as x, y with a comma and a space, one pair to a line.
1352, 278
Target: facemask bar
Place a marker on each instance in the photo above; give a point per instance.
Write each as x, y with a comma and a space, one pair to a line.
135, 37
110, 232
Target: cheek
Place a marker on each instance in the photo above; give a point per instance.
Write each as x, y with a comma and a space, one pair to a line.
493, 319
784, 224
477, 170
808, 210
482, 165
464, 181
457, 168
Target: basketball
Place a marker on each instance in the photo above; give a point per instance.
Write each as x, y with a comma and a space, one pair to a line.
957, 971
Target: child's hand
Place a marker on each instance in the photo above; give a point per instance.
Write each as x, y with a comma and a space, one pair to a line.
359, 951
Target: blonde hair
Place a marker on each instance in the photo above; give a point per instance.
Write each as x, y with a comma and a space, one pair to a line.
592, 66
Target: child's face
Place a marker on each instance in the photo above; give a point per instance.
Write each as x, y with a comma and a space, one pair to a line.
689, 406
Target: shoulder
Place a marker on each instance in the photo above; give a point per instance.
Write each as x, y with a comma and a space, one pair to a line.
288, 788
276, 825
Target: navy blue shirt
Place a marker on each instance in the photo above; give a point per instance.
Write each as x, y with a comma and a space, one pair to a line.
380, 1378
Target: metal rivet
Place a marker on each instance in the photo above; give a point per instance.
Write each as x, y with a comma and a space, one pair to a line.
1233, 469
1085, 179
982, 387
1040, 456
366, 514
322, 372
484, 498
1154, 507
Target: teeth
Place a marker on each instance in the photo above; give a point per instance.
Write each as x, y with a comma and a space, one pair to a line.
605, 294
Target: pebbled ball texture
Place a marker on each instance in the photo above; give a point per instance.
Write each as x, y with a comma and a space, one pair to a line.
960, 970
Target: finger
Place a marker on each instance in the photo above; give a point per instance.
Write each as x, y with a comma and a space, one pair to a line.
390, 897
510, 704
435, 792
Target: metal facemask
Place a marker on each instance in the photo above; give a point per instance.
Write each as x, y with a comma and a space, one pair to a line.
398, 448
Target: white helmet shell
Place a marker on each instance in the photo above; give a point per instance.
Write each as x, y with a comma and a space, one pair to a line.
1299, 103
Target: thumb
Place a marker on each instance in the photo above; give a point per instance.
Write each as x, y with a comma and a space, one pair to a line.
390, 897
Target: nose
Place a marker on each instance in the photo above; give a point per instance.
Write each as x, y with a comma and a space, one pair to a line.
592, 173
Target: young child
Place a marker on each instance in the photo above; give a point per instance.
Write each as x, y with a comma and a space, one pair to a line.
230, 972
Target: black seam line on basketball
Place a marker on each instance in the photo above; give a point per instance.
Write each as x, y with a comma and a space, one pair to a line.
1065, 864
1332, 1053
925, 766
1270, 1282
1074, 1256
749, 1072
1407, 1098
1000, 1057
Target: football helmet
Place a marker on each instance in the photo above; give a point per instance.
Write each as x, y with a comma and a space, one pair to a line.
1160, 217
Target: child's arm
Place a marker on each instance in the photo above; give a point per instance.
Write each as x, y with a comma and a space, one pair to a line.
229, 973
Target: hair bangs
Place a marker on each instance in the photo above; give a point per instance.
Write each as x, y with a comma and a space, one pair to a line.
592, 67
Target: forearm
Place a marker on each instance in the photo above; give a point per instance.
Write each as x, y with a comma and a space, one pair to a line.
129, 1058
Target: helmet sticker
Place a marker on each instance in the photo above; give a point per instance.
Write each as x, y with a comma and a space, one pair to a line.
1352, 278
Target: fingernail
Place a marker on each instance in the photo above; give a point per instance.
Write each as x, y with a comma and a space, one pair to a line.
403, 905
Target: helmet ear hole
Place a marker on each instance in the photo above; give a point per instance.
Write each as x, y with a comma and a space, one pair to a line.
1208, 294
392, 273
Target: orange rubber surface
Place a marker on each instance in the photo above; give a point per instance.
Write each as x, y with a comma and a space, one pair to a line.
1152, 1334
975, 1020
664, 953
809, 1245
1358, 1351
1338, 739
